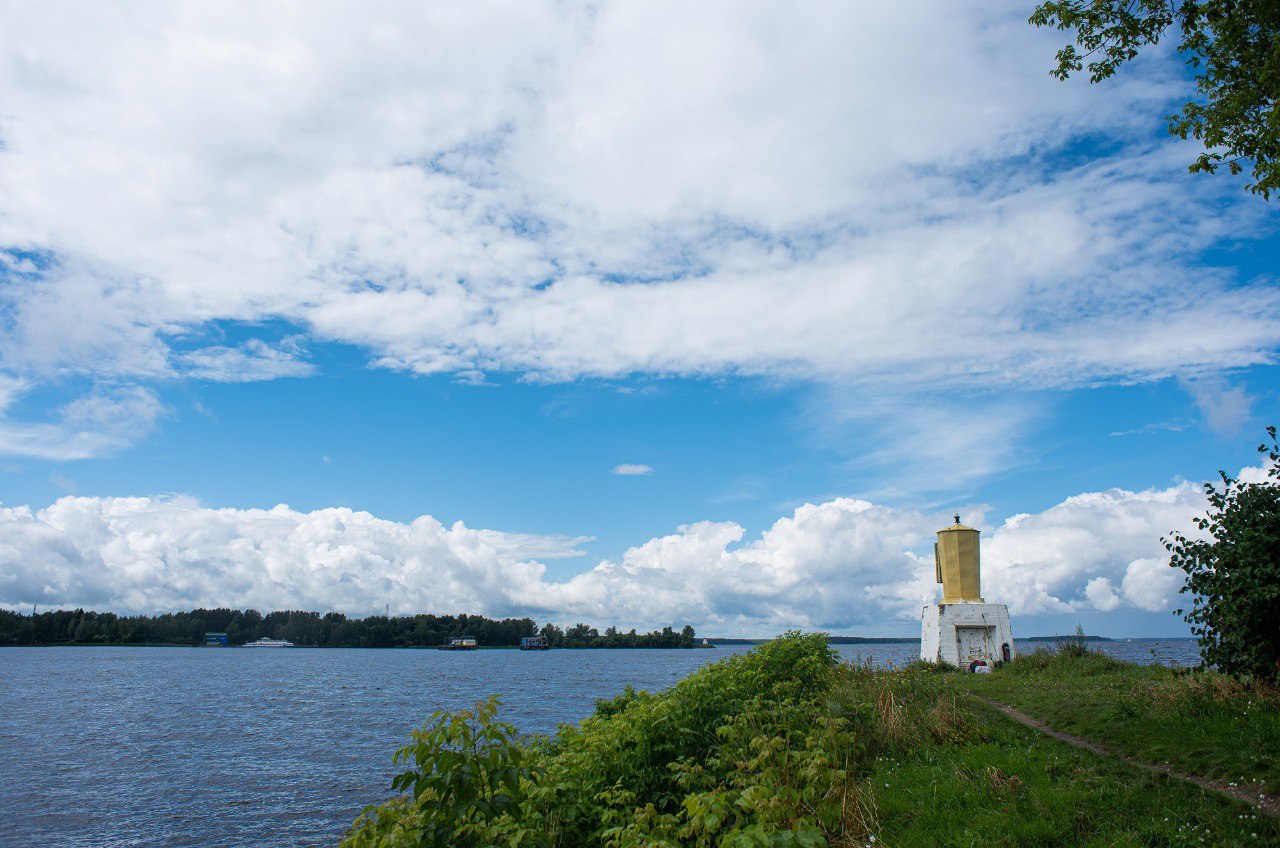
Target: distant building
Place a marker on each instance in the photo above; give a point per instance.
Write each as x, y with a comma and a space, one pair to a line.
216, 640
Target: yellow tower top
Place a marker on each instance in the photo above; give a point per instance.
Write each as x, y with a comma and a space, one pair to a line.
956, 560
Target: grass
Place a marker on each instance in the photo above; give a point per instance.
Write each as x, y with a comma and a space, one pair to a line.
951, 771
1197, 722
785, 748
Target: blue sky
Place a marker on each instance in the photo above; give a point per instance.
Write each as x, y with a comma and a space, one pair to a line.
435, 282
539, 458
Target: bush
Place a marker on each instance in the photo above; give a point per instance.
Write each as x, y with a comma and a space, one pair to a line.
468, 781
750, 751
1234, 576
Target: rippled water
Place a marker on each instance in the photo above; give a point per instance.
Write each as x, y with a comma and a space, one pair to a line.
196, 746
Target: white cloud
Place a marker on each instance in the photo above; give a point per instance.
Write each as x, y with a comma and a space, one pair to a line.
628, 469
1046, 562
254, 360
840, 193
1225, 408
1154, 427
147, 554
910, 445
1102, 595
1151, 585
100, 423
1253, 474
842, 565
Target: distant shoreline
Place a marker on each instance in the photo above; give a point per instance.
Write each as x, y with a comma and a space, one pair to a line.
226, 627
352, 647
711, 643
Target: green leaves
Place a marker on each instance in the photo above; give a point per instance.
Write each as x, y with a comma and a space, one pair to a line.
1233, 575
467, 783
744, 752
1113, 32
1232, 45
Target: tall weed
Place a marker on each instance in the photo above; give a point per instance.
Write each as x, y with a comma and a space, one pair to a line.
900, 710
1073, 662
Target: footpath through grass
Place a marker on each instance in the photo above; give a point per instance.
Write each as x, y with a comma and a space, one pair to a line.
956, 772
1201, 723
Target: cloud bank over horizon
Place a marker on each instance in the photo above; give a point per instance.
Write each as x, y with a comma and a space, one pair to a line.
559, 191
845, 565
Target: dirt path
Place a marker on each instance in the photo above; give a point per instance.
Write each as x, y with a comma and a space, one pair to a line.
1267, 804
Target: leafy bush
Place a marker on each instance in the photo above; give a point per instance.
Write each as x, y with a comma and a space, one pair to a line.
468, 779
750, 751
1234, 576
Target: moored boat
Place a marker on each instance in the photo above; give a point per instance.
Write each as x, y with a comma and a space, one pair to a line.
534, 643
264, 642
460, 643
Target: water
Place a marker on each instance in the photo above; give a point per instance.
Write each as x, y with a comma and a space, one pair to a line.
198, 746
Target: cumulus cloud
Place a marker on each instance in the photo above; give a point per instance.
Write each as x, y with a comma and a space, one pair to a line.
147, 554
1150, 584
1074, 554
841, 565
841, 192
628, 469
1101, 595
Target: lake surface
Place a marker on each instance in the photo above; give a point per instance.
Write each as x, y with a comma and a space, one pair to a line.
230, 747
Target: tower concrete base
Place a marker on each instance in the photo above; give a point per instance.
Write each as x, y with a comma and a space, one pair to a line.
960, 633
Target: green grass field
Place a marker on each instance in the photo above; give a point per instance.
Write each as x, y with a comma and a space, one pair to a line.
1201, 723
976, 778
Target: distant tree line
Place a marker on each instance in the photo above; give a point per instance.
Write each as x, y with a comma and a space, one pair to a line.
330, 630
582, 636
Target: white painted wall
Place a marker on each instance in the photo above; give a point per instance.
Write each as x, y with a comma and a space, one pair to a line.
962, 632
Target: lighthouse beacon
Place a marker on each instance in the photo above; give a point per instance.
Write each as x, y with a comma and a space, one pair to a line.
963, 628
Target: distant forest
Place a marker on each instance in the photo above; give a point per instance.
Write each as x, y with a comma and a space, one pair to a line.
330, 630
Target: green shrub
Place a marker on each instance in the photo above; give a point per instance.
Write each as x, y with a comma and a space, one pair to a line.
1234, 576
750, 751
468, 780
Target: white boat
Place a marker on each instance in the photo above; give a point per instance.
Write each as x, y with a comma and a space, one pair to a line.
264, 642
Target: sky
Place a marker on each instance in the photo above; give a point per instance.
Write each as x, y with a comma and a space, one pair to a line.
639, 314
